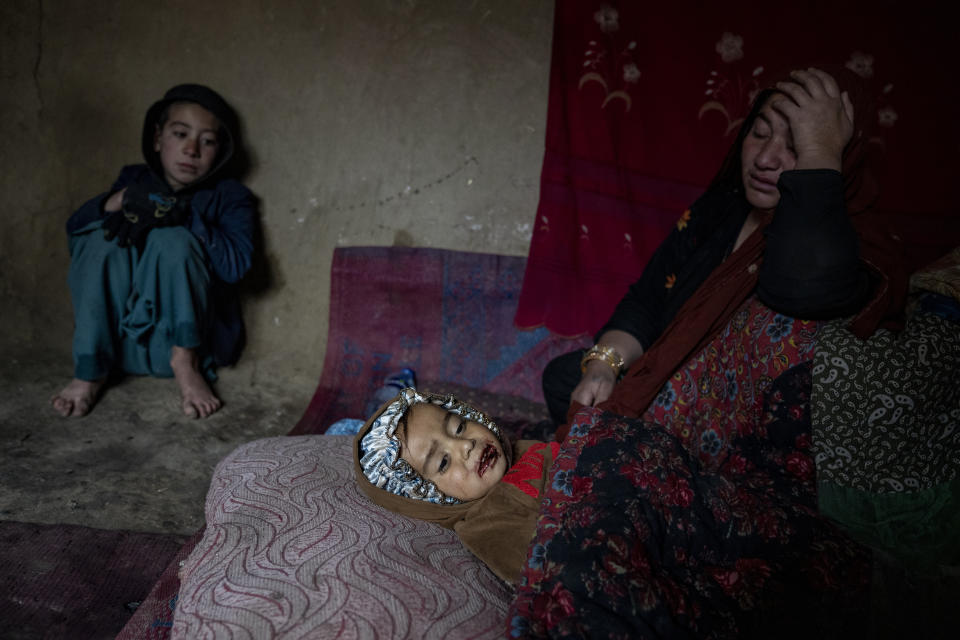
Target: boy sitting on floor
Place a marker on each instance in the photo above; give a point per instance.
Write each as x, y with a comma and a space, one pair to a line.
433, 458
152, 259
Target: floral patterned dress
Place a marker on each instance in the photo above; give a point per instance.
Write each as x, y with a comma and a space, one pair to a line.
700, 519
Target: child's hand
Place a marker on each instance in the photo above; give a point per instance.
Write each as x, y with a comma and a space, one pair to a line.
144, 208
820, 117
114, 202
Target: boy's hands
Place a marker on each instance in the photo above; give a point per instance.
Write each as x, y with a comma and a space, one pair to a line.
114, 202
143, 208
820, 117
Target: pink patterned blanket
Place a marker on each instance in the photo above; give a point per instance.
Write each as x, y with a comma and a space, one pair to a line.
446, 314
293, 550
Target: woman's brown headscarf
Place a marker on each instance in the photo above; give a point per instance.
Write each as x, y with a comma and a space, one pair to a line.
709, 309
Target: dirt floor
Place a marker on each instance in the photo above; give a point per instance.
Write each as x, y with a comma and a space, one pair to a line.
135, 462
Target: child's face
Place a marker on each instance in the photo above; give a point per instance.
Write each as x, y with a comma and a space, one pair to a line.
187, 144
463, 458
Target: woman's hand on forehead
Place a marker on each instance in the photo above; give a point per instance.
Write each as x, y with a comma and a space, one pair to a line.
820, 117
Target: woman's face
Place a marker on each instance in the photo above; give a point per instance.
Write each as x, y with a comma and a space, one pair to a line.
463, 458
767, 152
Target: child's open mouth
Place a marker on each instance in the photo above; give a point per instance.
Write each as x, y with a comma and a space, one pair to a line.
487, 459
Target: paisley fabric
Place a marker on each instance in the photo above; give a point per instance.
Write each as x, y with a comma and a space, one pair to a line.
698, 519
888, 410
886, 434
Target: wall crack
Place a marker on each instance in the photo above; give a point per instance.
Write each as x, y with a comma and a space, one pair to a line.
39, 58
409, 191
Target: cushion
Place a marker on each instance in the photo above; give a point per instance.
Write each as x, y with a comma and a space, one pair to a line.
293, 549
886, 434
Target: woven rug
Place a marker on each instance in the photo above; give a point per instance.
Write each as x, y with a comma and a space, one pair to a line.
63, 581
448, 315
153, 619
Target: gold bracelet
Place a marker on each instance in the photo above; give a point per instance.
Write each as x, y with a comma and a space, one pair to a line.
602, 352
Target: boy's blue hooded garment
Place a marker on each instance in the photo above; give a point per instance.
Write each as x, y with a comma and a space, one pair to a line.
221, 214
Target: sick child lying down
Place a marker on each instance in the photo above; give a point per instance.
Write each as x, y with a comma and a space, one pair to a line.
431, 457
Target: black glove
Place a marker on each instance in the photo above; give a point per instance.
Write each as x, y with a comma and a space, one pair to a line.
145, 206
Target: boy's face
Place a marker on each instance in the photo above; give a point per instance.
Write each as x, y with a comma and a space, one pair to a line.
463, 458
187, 144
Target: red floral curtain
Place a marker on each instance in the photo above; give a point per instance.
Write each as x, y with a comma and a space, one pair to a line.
645, 99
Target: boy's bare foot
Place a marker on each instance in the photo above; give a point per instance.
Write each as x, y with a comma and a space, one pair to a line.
77, 398
198, 400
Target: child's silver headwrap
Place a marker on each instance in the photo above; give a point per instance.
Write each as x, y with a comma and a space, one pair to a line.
380, 448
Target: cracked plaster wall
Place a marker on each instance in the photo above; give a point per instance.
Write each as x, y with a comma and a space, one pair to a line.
369, 122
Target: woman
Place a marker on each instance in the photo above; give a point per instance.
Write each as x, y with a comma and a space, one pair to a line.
683, 500
786, 160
